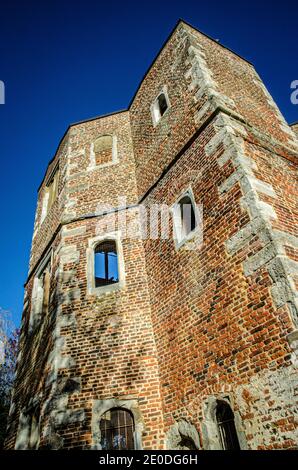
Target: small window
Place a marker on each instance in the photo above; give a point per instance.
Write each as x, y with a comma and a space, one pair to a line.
50, 194
226, 426
117, 430
185, 220
103, 149
41, 293
106, 263
162, 104
159, 107
44, 279
187, 443
52, 188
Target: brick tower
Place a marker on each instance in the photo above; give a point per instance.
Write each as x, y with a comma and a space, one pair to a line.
151, 342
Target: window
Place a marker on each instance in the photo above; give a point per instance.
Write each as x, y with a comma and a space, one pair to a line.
50, 193
185, 218
106, 263
182, 435
226, 426
41, 292
103, 149
159, 107
29, 429
117, 430
187, 215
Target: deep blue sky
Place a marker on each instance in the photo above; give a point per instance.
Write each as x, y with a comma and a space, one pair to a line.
65, 61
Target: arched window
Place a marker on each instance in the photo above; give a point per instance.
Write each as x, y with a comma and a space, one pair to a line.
226, 426
103, 149
106, 263
50, 193
117, 430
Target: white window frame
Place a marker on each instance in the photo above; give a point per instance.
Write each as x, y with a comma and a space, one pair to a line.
102, 290
179, 240
155, 112
92, 162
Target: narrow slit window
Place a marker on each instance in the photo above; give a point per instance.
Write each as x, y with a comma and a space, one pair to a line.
106, 263
117, 430
103, 149
226, 426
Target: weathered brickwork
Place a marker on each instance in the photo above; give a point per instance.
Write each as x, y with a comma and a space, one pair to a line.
184, 327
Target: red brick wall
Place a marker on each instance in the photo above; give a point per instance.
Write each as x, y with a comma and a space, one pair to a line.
238, 80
